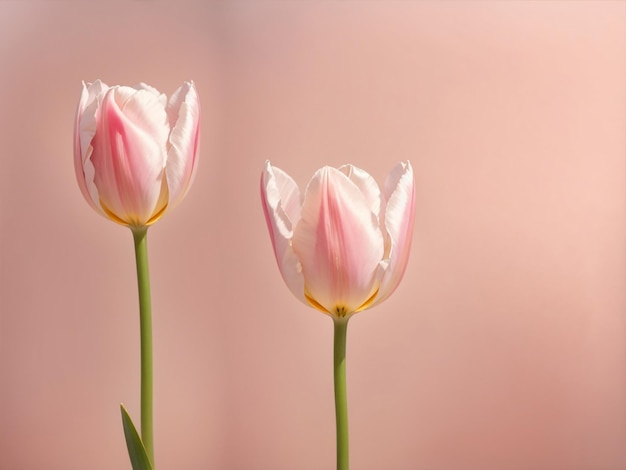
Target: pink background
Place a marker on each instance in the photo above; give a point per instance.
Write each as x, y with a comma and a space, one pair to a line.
504, 347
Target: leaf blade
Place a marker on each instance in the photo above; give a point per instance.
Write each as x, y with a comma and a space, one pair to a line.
136, 451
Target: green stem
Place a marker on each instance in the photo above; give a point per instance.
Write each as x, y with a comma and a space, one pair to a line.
341, 401
145, 320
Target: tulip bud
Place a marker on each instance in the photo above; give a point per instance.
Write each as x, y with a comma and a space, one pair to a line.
135, 151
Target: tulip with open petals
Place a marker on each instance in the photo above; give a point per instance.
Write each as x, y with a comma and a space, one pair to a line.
135, 151
341, 248
135, 155
344, 246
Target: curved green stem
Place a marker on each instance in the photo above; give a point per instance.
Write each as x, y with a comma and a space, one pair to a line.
341, 401
145, 321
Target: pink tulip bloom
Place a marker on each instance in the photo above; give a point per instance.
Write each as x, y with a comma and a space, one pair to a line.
344, 247
135, 151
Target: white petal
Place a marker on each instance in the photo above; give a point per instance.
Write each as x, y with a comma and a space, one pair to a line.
183, 113
399, 215
290, 199
90, 181
90, 100
280, 197
84, 131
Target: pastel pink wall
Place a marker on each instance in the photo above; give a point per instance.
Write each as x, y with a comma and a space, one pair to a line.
503, 349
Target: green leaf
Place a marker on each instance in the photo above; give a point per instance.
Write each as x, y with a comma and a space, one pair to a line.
136, 451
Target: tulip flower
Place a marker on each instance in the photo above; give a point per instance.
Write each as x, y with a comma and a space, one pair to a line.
345, 246
135, 152
135, 155
341, 249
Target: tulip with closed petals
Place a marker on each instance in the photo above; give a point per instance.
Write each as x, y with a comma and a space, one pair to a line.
342, 247
135, 155
135, 150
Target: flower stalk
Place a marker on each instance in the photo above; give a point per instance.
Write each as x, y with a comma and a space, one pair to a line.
145, 321
341, 400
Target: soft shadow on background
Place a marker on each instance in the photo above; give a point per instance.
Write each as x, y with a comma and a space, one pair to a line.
503, 349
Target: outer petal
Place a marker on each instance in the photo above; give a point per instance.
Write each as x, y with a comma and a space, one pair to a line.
84, 130
129, 155
184, 116
399, 192
90, 100
339, 244
280, 197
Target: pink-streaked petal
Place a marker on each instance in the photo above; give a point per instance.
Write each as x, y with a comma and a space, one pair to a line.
399, 192
129, 155
339, 243
184, 117
146, 111
366, 184
277, 189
